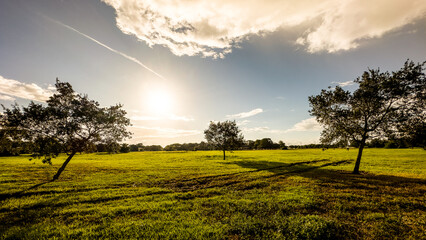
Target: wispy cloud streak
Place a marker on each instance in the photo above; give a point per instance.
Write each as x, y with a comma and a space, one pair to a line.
107, 47
246, 114
344, 84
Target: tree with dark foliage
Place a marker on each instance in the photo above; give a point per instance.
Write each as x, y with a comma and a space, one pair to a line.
69, 123
385, 105
224, 135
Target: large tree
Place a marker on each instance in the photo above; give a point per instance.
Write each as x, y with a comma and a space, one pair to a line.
224, 135
385, 104
69, 123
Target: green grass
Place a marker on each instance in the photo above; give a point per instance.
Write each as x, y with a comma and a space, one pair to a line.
294, 194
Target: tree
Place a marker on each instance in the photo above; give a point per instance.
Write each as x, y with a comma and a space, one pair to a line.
249, 145
69, 123
282, 145
136, 147
153, 148
224, 135
124, 148
382, 106
7, 145
265, 143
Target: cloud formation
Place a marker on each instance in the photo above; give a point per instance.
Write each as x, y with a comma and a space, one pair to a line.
344, 84
6, 98
30, 91
246, 114
262, 130
212, 28
243, 122
309, 124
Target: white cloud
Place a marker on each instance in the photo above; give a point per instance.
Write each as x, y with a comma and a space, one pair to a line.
212, 28
347, 22
262, 130
344, 84
256, 129
6, 98
309, 124
246, 114
243, 122
30, 91
158, 132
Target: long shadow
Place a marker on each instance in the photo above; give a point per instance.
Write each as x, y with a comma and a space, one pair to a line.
22, 193
177, 183
25, 192
262, 166
327, 178
343, 180
31, 214
225, 180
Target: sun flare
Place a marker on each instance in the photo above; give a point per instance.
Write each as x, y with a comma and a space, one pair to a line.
159, 101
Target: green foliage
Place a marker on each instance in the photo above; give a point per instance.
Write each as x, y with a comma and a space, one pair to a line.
264, 143
385, 105
224, 135
69, 123
124, 148
293, 194
136, 147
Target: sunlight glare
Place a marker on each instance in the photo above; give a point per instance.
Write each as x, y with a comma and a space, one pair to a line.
160, 101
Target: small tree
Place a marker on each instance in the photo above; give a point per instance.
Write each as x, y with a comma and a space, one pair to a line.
282, 145
265, 143
69, 123
224, 135
383, 105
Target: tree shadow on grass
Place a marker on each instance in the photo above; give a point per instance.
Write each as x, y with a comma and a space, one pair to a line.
22, 193
224, 180
305, 168
344, 181
51, 206
326, 179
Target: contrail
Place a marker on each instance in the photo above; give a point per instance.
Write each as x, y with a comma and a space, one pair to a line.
105, 46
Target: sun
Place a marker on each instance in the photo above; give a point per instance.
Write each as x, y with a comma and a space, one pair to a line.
159, 101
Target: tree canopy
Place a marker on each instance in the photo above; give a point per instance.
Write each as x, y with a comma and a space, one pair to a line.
385, 105
69, 123
224, 135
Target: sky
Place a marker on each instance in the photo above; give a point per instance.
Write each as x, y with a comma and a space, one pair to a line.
177, 65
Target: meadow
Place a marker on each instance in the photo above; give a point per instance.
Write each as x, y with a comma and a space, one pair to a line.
268, 194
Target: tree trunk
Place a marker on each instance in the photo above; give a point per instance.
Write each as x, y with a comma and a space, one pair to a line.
358, 159
60, 170
223, 154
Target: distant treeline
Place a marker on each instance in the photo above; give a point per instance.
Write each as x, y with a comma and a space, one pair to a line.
259, 144
266, 143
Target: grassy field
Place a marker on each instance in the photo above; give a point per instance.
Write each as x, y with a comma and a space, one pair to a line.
293, 194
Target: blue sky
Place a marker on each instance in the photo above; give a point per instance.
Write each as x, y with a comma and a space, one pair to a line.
255, 62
